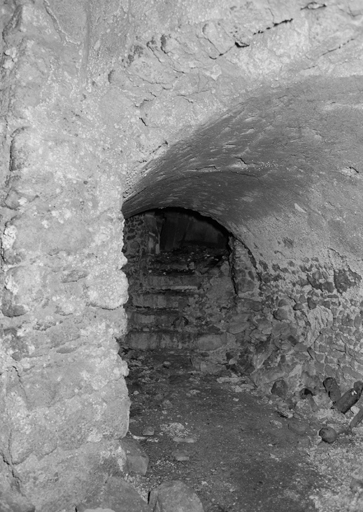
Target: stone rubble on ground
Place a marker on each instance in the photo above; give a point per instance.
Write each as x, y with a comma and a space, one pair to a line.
188, 440
328, 434
117, 496
148, 431
174, 496
292, 410
180, 455
136, 459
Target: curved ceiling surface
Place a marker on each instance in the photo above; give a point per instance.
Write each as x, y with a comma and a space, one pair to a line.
281, 154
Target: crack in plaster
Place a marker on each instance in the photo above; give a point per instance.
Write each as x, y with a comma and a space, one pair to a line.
290, 20
313, 6
62, 34
338, 47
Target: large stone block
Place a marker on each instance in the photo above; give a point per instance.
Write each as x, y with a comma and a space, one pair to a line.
115, 495
174, 496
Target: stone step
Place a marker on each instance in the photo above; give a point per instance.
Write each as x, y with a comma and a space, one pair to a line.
177, 300
146, 340
173, 282
168, 268
154, 317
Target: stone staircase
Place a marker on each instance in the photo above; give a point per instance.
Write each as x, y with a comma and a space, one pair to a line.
163, 309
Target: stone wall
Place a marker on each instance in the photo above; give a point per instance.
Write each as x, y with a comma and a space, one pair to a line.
64, 403
94, 94
298, 321
136, 239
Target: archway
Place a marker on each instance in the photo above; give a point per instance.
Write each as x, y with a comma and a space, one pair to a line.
180, 280
247, 112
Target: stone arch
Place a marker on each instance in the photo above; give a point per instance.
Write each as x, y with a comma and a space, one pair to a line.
238, 169
99, 100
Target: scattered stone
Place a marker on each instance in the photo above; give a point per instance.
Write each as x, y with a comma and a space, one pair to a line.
284, 412
312, 403
322, 401
116, 495
332, 388
148, 431
276, 423
188, 440
237, 389
357, 419
136, 459
174, 496
354, 409
307, 394
328, 434
304, 442
180, 455
280, 388
194, 392
298, 427
175, 430
166, 364
345, 402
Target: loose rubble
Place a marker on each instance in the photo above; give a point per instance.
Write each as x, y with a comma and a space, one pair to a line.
174, 497
305, 426
211, 399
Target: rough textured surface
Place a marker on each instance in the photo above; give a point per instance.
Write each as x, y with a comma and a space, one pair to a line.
64, 400
287, 322
248, 112
281, 170
117, 495
136, 459
174, 496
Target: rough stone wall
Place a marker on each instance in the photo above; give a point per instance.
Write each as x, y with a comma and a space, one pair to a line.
176, 298
300, 322
64, 402
136, 239
290, 150
193, 60
92, 92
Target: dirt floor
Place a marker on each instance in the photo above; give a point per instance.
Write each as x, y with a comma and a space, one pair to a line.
237, 449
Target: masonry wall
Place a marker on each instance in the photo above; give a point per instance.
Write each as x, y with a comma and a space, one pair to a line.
94, 92
297, 322
64, 403
300, 321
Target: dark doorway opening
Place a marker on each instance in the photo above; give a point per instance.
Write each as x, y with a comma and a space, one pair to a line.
182, 228
180, 283
194, 406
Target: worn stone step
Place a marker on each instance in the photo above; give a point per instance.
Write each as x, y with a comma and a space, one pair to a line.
163, 300
146, 340
173, 282
154, 317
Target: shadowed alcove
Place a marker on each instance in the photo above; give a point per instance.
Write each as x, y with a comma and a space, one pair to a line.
174, 255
